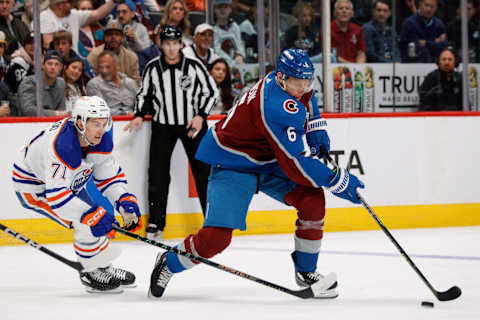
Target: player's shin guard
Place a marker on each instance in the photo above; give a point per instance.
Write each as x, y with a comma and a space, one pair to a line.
206, 243
310, 203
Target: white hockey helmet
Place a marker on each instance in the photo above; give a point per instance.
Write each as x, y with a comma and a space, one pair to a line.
90, 107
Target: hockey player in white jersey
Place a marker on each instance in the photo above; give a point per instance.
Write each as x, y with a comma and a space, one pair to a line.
50, 176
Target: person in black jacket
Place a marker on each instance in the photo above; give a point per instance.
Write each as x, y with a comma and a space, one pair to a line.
179, 93
14, 28
442, 88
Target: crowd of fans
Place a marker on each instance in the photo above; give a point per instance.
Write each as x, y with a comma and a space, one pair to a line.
97, 47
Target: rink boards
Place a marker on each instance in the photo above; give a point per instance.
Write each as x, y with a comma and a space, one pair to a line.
421, 170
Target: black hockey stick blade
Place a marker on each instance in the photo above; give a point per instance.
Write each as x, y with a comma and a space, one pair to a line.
314, 291
451, 294
73, 264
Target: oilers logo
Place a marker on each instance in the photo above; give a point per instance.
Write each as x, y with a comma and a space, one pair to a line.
290, 106
80, 179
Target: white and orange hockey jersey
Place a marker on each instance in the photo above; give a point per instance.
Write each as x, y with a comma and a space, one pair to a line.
52, 170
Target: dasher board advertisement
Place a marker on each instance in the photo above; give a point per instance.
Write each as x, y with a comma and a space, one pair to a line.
373, 87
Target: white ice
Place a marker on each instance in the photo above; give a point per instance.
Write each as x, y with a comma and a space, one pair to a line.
375, 282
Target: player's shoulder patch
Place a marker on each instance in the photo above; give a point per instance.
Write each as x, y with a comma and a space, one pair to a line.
66, 145
290, 106
105, 145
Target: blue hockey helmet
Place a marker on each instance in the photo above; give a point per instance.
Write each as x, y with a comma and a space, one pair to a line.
295, 63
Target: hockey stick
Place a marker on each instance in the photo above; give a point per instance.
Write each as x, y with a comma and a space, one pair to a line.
450, 294
310, 292
75, 265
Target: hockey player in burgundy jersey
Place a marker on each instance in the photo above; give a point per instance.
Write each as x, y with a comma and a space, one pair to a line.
49, 178
259, 147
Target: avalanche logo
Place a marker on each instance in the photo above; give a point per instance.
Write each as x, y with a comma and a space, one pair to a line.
80, 179
290, 106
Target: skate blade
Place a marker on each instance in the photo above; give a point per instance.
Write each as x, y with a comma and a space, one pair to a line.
132, 285
113, 291
325, 288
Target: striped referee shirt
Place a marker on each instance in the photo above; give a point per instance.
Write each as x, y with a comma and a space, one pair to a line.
174, 94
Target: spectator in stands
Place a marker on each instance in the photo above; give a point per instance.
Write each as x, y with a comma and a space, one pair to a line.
308, 38
423, 35
3, 60
90, 35
227, 41
75, 81
220, 72
242, 9
454, 33
347, 37
21, 65
136, 34
404, 9
15, 30
114, 87
6, 109
176, 14
151, 52
62, 42
195, 5
248, 31
363, 11
114, 38
201, 48
27, 15
53, 93
61, 16
442, 88
379, 40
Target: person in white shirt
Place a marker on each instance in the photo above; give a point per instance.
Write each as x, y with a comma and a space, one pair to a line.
201, 48
61, 16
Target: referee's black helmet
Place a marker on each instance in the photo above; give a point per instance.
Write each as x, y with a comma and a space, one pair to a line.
170, 33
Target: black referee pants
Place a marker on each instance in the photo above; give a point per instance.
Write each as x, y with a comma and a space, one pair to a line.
164, 138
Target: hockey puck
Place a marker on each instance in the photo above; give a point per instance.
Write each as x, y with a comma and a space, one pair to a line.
427, 304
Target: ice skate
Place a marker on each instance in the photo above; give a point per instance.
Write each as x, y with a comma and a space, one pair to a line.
160, 277
127, 278
307, 279
100, 281
153, 233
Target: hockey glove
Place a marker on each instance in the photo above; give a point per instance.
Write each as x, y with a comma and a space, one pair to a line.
317, 135
100, 221
128, 208
344, 185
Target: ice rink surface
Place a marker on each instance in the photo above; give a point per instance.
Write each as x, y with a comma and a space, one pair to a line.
375, 282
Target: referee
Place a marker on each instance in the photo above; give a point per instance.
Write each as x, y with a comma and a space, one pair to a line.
178, 92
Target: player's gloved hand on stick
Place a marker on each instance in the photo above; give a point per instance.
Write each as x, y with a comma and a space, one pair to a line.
344, 185
317, 135
100, 221
128, 208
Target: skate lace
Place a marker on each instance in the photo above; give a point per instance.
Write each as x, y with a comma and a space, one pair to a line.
164, 277
101, 276
313, 276
117, 273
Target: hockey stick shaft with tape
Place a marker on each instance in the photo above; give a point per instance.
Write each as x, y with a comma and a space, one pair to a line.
306, 293
450, 294
73, 264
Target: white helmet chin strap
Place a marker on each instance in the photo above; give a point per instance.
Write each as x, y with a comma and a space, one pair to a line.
82, 132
